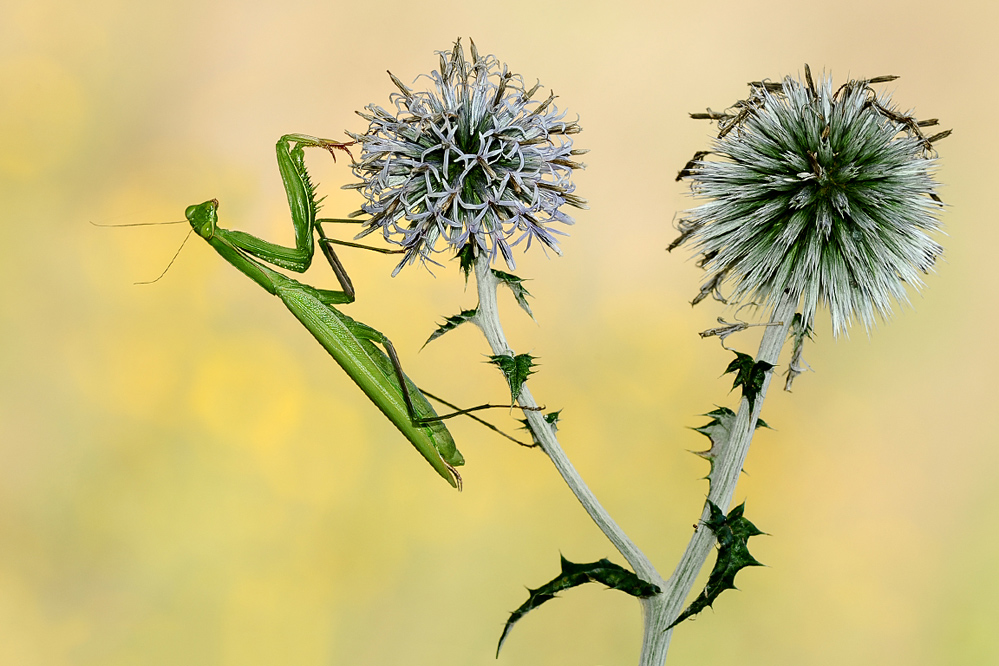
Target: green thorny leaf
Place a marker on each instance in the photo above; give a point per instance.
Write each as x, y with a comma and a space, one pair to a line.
603, 571
516, 285
719, 431
516, 368
797, 365
749, 375
451, 323
551, 418
466, 259
733, 535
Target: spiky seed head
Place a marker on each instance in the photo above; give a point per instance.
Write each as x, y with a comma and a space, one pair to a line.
827, 194
475, 160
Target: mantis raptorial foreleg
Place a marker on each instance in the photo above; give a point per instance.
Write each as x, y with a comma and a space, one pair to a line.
352, 344
302, 202
355, 346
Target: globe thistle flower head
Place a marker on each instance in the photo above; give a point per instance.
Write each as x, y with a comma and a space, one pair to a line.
826, 194
474, 160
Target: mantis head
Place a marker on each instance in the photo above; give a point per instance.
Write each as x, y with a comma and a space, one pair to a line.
203, 218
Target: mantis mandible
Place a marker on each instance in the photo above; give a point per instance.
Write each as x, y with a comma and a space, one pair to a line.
353, 345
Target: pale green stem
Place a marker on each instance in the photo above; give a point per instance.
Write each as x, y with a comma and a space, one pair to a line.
487, 317
725, 472
662, 609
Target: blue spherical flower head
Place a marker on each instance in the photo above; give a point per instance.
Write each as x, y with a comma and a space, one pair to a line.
824, 194
473, 164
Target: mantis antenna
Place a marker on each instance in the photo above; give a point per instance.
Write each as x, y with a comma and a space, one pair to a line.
154, 224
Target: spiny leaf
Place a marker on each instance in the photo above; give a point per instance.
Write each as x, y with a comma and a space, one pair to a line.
466, 258
451, 323
749, 375
516, 285
603, 571
742, 366
516, 368
733, 534
719, 431
551, 418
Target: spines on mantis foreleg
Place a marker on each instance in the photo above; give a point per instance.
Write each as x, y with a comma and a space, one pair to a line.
350, 343
302, 203
293, 168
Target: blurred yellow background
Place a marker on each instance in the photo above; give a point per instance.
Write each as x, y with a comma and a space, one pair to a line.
187, 478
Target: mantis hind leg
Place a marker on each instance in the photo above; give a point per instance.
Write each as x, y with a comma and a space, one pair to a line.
467, 412
424, 414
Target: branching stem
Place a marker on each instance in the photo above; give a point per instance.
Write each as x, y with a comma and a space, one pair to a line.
661, 610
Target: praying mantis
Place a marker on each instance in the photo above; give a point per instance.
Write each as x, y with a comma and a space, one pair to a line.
352, 344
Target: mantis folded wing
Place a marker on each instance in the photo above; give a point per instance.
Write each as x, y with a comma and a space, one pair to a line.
352, 344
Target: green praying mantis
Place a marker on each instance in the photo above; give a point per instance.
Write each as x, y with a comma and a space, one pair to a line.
352, 344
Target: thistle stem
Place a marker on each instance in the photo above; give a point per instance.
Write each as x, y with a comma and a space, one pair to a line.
725, 472
658, 611
488, 320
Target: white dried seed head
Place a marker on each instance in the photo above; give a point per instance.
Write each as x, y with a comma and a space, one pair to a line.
828, 195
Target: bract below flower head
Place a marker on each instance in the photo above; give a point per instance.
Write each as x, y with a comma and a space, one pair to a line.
473, 161
826, 194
